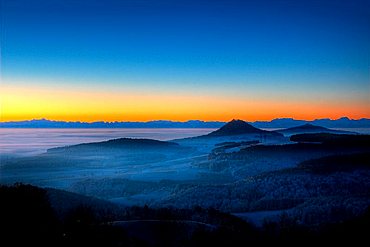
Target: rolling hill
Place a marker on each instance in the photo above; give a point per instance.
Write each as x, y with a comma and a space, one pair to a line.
121, 143
310, 128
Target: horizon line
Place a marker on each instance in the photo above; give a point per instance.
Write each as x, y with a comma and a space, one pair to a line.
168, 120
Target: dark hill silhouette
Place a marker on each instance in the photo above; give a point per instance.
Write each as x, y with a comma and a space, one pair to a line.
337, 163
239, 127
121, 143
310, 128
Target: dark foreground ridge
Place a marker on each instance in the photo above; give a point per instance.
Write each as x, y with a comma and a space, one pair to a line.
239, 127
29, 218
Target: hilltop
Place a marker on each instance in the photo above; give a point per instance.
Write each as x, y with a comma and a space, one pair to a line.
239, 127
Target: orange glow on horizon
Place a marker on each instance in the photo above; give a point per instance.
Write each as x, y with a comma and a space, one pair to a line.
20, 103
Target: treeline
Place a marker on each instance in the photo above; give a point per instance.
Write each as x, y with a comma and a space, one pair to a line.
286, 189
337, 163
252, 160
27, 218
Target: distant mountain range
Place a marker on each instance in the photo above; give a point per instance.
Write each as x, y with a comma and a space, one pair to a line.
343, 122
44, 123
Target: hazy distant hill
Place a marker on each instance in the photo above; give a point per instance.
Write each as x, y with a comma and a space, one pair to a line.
121, 143
239, 127
343, 122
310, 128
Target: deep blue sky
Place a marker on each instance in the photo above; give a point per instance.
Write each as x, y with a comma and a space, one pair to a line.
309, 49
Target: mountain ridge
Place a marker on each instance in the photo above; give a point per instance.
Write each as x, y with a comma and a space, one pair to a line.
343, 122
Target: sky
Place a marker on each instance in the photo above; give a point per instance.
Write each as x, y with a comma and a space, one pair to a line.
144, 60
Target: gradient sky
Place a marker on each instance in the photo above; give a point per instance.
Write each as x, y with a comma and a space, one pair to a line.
179, 60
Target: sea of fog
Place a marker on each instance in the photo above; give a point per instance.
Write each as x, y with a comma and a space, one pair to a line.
17, 141
33, 141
